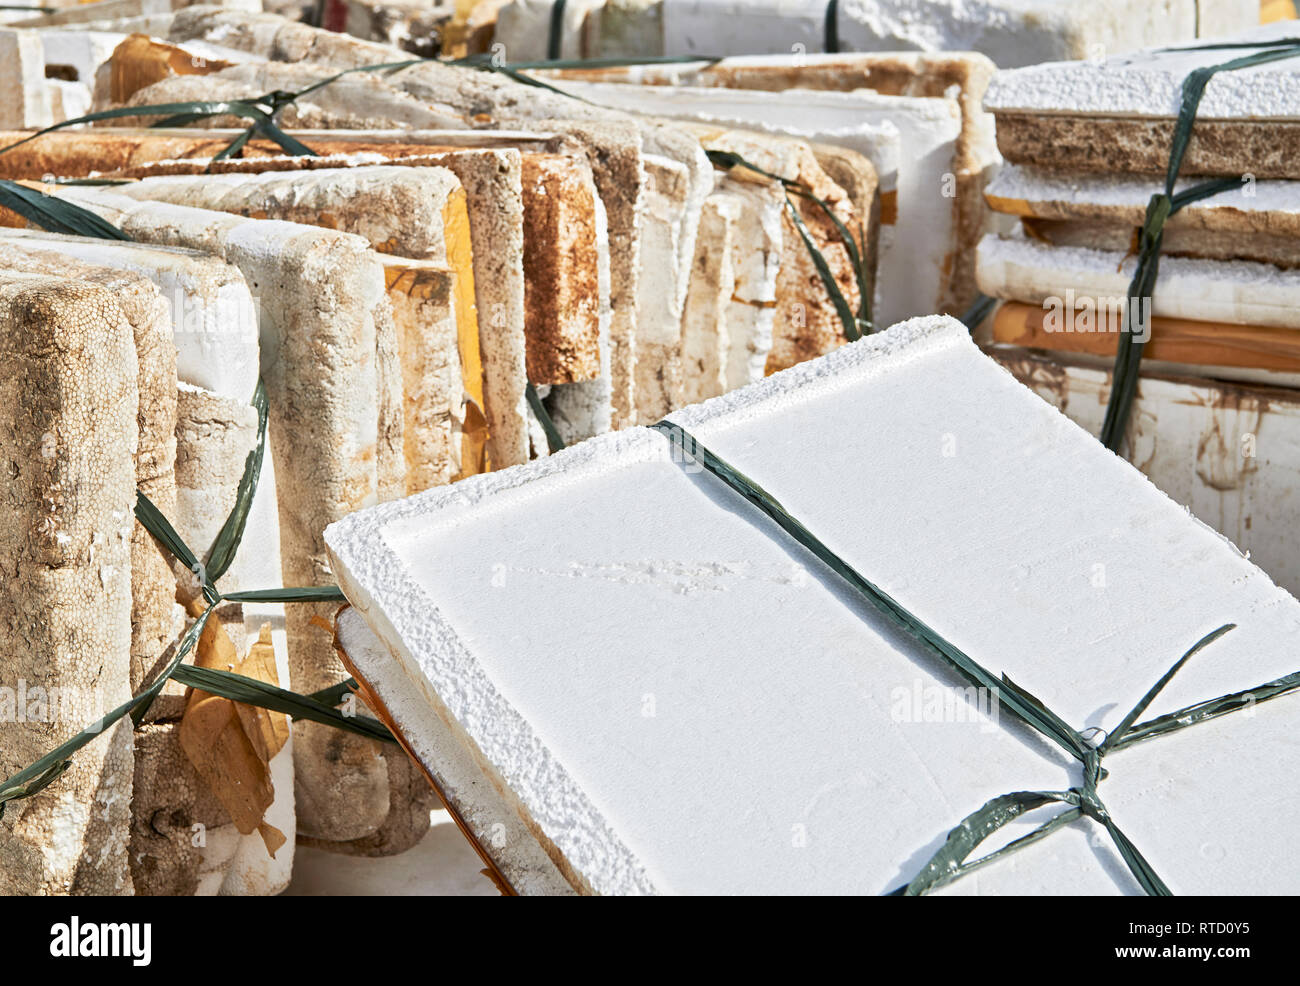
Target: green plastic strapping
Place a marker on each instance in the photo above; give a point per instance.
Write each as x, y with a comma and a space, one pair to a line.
855, 326
555, 39
513, 71
553, 440
978, 311
261, 111
55, 214
1083, 800
831, 28
610, 61
1128, 356
35, 778
49, 768
252, 691
842, 309
334, 694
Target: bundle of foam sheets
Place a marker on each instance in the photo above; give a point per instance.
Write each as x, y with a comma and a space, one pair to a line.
1011, 32
541, 655
919, 129
144, 361
651, 178
1087, 145
916, 117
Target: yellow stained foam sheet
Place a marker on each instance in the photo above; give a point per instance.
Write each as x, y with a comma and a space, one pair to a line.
460, 258
423, 295
1276, 10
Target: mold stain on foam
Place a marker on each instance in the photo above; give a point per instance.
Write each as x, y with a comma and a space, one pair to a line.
1231, 415
1048, 380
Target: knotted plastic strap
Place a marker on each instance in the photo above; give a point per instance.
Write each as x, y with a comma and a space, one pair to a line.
950, 861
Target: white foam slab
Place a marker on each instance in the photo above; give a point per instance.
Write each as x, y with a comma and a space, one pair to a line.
1149, 83
1026, 183
680, 700
213, 312
1240, 292
1231, 453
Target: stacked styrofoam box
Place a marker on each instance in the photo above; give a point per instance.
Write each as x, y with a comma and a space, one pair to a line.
1088, 145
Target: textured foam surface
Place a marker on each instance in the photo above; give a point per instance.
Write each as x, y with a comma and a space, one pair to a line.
909, 140
213, 313
1240, 292
679, 699
1149, 83
1027, 184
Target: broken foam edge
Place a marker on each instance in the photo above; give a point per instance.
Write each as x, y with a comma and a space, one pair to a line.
588, 851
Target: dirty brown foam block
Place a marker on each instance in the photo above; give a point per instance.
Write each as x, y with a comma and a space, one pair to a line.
154, 620
1118, 115
416, 213
483, 160
561, 293
70, 381
324, 305
806, 323
444, 95
215, 338
1259, 220
180, 833
489, 258
922, 74
433, 390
